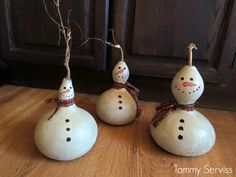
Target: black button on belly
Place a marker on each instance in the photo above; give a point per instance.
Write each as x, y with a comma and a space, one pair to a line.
181, 128
68, 139
120, 102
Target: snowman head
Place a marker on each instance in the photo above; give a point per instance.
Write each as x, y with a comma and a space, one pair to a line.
66, 90
120, 72
187, 85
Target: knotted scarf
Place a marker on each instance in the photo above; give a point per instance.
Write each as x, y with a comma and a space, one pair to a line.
60, 103
166, 108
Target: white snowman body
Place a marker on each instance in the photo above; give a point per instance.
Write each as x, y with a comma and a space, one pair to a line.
182, 132
186, 133
117, 106
71, 131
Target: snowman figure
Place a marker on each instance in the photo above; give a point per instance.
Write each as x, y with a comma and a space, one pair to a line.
119, 105
69, 132
176, 126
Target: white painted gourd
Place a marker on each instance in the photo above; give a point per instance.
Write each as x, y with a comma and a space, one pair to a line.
70, 132
181, 132
117, 106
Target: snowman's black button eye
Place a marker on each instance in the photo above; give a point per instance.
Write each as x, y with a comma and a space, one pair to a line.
182, 78
119, 67
124, 67
70, 87
64, 87
191, 79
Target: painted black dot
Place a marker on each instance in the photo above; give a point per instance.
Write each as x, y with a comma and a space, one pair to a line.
180, 137
183, 91
181, 120
191, 79
120, 101
197, 89
119, 67
178, 89
181, 128
194, 91
124, 67
68, 139
122, 77
182, 78
68, 129
120, 107
67, 120
189, 92
119, 96
70, 87
64, 87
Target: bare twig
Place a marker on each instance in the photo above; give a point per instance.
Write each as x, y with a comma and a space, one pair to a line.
190, 47
113, 35
65, 30
80, 29
106, 42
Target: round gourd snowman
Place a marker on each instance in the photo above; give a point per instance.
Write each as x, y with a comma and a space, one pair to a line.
69, 132
176, 126
119, 105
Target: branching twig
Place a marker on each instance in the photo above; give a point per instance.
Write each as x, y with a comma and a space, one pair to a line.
116, 45
65, 30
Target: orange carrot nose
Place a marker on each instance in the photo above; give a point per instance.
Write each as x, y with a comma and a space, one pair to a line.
189, 84
120, 71
66, 91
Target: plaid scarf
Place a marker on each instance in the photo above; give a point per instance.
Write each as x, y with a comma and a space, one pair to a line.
133, 91
166, 108
62, 103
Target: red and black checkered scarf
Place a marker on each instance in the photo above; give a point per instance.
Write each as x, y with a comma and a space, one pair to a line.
62, 103
166, 108
133, 91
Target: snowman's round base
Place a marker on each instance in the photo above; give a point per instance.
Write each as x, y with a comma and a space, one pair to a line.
116, 107
184, 133
68, 135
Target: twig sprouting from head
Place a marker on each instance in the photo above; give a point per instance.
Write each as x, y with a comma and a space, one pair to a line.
66, 32
80, 29
190, 47
113, 35
115, 44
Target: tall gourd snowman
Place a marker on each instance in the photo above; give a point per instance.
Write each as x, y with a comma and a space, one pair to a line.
177, 127
70, 131
119, 105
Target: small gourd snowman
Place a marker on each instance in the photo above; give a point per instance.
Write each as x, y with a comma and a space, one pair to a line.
119, 105
176, 126
70, 131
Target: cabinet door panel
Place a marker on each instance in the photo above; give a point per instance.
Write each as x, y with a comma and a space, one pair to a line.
29, 35
155, 35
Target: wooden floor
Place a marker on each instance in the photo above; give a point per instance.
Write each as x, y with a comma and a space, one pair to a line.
122, 151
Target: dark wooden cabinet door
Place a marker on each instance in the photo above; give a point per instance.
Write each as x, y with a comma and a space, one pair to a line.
28, 35
155, 35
